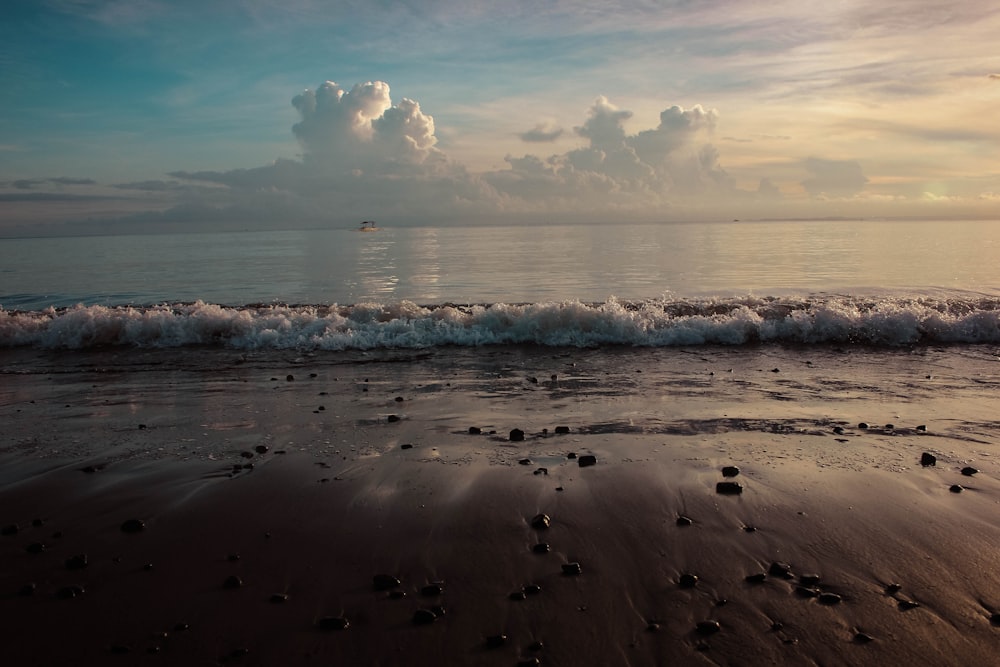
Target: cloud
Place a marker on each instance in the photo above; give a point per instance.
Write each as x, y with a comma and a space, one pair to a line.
834, 178
541, 133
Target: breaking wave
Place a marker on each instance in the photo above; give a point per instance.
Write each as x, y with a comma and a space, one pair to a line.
882, 321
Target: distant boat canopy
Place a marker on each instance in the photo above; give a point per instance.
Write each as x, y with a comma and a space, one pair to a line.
368, 226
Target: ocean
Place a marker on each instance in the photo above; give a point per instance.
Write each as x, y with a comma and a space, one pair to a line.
881, 283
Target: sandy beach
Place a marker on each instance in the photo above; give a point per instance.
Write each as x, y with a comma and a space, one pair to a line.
207, 507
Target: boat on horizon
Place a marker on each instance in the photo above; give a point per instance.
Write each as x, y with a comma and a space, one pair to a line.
368, 226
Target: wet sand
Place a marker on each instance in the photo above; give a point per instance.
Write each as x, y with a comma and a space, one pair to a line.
366, 466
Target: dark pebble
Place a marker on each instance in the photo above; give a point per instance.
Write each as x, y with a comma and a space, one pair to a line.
809, 579
749, 529
406, 446
246, 455
424, 617
475, 430
77, 562
587, 460
779, 569
27, 589
562, 430
830, 598
757, 578
541, 548
956, 488
10, 529
517, 595
541, 471
571, 455
148, 567
839, 430
279, 598
262, 449
906, 605
392, 418
431, 590
91, 469
729, 488
806, 592
496, 641
892, 589
333, 623
777, 626
531, 589
707, 627
863, 425
995, 618
536, 646
863, 638
516, 435
730, 471
652, 626
688, 580
70, 592
289, 378
385, 582
142, 427
182, 627
541, 521
232, 581
684, 521
232, 558
572, 569
37, 523
397, 595
923, 427
969, 471
525, 462
133, 526
35, 548
399, 399
927, 459
528, 662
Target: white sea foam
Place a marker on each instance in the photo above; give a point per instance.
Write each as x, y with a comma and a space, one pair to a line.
656, 323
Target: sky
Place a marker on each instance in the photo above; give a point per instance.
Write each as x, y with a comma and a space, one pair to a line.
153, 115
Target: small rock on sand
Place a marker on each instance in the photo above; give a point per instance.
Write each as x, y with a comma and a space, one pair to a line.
384, 582
927, 459
561, 430
587, 460
133, 526
729, 488
516, 435
969, 471
730, 471
333, 623
572, 569
424, 617
707, 627
541, 521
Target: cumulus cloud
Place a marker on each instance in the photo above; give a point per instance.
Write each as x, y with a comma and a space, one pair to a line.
541, 133
834, 178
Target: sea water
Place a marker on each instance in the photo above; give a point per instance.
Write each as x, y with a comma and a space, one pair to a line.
886, 283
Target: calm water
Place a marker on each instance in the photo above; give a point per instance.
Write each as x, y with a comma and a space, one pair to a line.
430, 265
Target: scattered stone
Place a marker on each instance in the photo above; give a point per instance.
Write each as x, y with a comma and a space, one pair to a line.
749, 529
956, 488
35, 548
684, 521
397, 594
262, 449
91, 469
809, 579
892, 589
541, 548
400, 399
571, 455
525, 462
279, 598
995, 618
969, 471
830, 598
424, 617
529, 662
927, 459
889, 427
232, 582
562, 430
406, 446
289, 378
142, 427
517, 595
37, 523
923, 427
863, 425
541, 471
806, 592
148, 567
839, 430
475, 430
496, 641
906, 605
587, 460
246, 455
385, 582
333, 623
531, 589
729, 488
572, 569
688, 580
707, 627
392, 418
516, 435
863, 638
133, 526
431, 590
27, 589
541, 521
181, 627
77, 562
652, 626
757, 578
730, 471
70, 592
232, 558
777, 626
779, 569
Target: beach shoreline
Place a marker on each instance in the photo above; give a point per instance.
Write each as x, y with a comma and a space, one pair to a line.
308, 475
